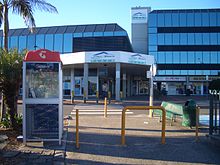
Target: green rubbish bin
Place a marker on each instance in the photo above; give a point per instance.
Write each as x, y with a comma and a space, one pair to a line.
189, 114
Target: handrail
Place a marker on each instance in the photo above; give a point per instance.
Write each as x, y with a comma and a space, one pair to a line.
143, 108
77, 128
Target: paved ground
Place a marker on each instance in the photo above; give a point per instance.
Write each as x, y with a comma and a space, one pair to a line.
100, 139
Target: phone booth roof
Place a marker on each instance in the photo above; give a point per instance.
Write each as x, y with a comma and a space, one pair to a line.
42, 55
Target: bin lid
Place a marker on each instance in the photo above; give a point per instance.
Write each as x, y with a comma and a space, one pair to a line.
42, 55
190, 103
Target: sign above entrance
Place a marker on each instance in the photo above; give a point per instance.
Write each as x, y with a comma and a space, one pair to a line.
107, 57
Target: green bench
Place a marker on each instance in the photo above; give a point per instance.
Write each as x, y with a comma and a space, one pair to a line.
172, 111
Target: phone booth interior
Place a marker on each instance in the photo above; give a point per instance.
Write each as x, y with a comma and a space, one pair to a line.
42, 96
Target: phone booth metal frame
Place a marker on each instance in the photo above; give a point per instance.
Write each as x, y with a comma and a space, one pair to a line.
42, 96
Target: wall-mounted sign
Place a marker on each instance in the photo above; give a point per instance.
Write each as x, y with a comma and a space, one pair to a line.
169, 79
102, 57
137, 59
139, 15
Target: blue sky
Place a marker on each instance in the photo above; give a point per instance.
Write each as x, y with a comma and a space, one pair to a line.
75, 12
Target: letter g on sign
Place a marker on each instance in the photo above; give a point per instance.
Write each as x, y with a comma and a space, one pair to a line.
42, 54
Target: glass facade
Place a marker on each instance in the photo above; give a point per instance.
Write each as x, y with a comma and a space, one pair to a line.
64, 38
185, 42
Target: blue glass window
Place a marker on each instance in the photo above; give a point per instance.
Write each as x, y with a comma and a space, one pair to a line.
169, 58
190, 19
120, 33
169, 72
182, 19
191, 58
161, 72
58, 42
218, 19
176, 38
40, 40
176, 57
160, 20
176, 72
213, 19
152, 30
152, 48
98, 34
191, 72
183, 72
168, 19
198, 19
152, 39
22, 43
160, 38
218, 57
206, 72
31, 42
205, 19
67, 43
168, 39
198, 58
14, 42
218, 38
161, 58
183, 38
213, 39
214, 57
175, 19
77, 35
198, 72
87, 34
214, 72
152, 20
206, 58
49, 41
205, 38
191, 39
108, 33
183, 57
198, 38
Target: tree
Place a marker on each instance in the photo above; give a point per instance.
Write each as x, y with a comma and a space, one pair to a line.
10, 80
24, 8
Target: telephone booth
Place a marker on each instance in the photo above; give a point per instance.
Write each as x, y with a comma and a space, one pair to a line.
42, 96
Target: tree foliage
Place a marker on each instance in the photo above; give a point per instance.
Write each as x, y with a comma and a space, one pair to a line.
10, 80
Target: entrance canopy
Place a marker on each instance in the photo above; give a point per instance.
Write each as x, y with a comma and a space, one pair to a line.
107, 57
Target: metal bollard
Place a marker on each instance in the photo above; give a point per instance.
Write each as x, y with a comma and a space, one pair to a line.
121, 95
84, 96
197, 123
97, 97
77, 128
109, 97
72, 97
105, 107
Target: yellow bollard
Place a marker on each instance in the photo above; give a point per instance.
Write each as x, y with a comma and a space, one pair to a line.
197, 123
97, 97
77, 128
143, 108
109, 97
73, 97
105, 107
84, 96
123, 127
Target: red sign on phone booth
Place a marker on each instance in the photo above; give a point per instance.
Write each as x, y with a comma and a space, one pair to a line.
42, 55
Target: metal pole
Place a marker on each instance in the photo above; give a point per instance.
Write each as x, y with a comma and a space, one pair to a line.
197, 123
77, 128
123, 127
97, 97
151, 91
211, 114
105, 107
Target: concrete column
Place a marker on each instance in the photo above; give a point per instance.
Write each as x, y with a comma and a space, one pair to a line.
129, 85
72, 83
117, 83
124, 85
85, 80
